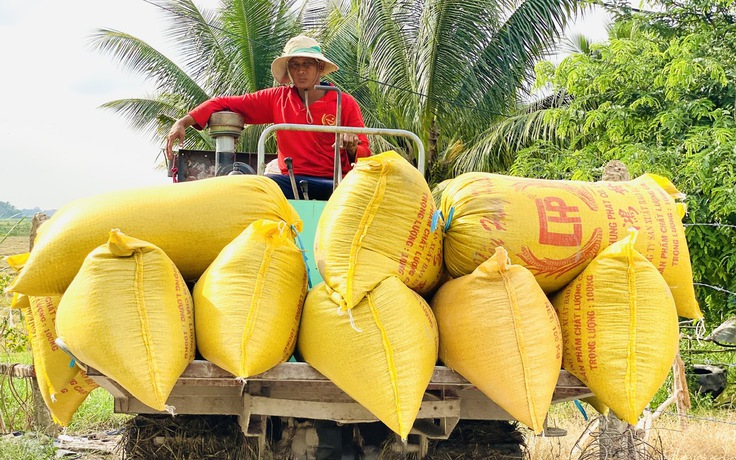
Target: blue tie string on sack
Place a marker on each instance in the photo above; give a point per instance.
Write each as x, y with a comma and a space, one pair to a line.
435, 217
450, 215
300, 245
581, 409
438, 215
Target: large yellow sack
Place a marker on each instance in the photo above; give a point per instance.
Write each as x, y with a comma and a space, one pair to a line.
191, 222
382, 353
248, 303
499, 331
555, 228
619, 328
66, 399
50, 362
378, 223
128, 314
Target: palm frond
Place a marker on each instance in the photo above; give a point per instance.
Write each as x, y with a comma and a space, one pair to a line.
257, 32
139, 57
199, 38
527, 35
494, 150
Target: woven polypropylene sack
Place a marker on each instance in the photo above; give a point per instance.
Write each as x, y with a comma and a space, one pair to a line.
128, 314
378, 223
248, 303
190, 221
619, 328
68, 396
384, 359
555, 228
499, 331
50, 362
17, 262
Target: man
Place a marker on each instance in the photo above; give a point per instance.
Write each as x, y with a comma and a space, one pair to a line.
299, 68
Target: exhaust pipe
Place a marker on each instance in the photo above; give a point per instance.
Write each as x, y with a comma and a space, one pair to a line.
225, 128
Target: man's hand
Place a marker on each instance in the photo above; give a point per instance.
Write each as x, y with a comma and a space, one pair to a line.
176, 134
349, 142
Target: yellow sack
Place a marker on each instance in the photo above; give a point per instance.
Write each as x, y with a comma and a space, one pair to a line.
499, 331
382, 353
66, 399
619, 328
248, 303
17, 262
378, 224
20, 301
129, 315
191, 222
50, 362
596, 404
555, 228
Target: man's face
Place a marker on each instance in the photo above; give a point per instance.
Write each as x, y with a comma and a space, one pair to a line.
304, 72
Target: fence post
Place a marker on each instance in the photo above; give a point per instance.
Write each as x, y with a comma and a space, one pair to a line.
41, 415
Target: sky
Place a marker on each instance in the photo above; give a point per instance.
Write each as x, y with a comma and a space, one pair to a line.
56, 144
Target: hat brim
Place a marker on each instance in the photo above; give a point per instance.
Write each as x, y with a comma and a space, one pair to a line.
279, 66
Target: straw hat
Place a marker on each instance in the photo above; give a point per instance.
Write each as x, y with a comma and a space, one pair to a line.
299, 46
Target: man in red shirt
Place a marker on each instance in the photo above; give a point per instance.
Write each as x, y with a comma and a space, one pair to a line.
301, 64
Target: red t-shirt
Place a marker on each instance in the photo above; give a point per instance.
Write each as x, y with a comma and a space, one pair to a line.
312, 153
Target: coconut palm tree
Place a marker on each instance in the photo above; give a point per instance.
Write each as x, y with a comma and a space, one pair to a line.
445, 69
228, 51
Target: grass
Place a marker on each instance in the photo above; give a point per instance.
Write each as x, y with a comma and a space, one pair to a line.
15, 227
27, 447
700, 435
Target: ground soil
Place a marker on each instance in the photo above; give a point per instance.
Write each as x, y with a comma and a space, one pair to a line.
14, 245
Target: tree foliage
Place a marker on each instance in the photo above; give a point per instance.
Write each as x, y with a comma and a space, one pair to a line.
7, 210
445, 70
659, 96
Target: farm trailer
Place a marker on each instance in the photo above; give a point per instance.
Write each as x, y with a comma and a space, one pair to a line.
295, 390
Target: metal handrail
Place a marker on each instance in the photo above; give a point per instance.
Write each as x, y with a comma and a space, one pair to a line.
337, 129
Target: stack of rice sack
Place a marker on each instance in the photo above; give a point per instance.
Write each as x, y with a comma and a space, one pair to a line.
618, 294
125, 308
367, 328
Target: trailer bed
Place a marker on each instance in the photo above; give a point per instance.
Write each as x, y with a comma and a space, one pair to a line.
295, 389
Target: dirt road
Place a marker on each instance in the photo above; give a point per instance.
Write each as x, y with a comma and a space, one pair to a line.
13, 245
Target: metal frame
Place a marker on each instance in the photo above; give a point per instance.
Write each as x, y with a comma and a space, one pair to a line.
295, 389
337, 129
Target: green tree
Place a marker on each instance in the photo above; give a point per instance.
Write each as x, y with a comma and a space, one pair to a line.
7, 210
445, 70
228, 51
659, 96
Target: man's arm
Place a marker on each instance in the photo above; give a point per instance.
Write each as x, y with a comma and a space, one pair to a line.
177, 133
355, 145
254, 107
